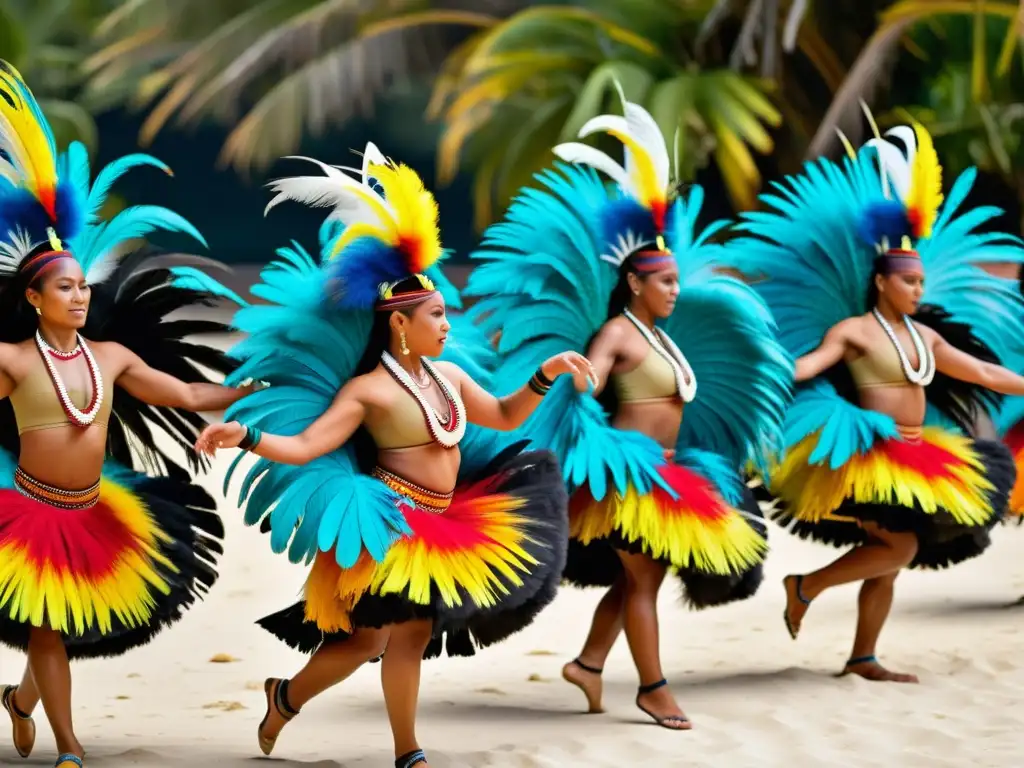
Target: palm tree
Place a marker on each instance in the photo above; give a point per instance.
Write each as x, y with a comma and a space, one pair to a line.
274, 70
970, 95
46, 41
875, 65
514, 90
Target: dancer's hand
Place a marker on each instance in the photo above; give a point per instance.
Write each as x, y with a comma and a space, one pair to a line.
572, 363
219, 436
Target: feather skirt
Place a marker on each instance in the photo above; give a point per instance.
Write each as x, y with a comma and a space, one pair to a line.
1014, 441
108, 576
481, 568
948, 489
715, 549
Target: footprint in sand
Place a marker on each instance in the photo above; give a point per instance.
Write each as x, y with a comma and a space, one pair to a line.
225, 706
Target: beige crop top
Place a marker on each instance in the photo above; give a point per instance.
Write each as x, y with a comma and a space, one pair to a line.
405, 423
879, 367
37, 405
653, 379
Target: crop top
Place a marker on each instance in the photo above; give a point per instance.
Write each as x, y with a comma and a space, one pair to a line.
37, 405
653, 379
879, 367
404, 425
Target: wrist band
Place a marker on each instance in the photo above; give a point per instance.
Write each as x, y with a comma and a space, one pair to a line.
537, 386
543, 380
252, 438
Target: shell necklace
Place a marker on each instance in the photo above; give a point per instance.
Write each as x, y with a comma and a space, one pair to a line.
925, 372
448, 432
75, 416
662, 344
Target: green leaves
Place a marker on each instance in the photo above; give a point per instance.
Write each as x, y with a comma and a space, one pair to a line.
537, 78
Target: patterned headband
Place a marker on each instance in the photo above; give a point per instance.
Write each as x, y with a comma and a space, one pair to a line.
390, 301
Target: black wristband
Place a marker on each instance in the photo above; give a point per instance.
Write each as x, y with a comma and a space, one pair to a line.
247, 442
543, 380
537, 388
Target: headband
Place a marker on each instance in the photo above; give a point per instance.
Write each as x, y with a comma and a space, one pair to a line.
900, 260
33, 267
653, 261
389, 301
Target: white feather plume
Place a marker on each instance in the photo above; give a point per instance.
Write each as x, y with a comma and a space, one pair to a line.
574, 152
14, 251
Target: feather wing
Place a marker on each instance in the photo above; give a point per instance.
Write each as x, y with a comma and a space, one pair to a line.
306, 352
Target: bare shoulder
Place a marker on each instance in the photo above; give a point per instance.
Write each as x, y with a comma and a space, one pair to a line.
614, 333
852, 329
375, 388
448, 369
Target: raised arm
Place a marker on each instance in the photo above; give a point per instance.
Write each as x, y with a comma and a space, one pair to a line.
828, 353
158, 388
960, 365
330, 431
509, 412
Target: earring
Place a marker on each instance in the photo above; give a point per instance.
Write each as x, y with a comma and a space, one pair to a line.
401, 337
39, 311
636, 293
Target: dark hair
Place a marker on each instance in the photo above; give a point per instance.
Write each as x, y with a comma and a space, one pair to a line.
872, 297
378, 341
19, 321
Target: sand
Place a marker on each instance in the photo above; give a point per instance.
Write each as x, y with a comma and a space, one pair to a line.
193, 697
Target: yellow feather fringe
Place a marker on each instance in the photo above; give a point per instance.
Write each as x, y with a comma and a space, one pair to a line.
925, 193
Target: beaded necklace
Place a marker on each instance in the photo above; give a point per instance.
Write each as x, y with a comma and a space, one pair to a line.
662, 344
925, 371
77, 417
446, 432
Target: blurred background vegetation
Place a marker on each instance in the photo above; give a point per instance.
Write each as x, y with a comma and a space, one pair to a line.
473, 93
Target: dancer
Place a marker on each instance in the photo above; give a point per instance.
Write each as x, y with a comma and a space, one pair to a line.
625, 276
90, 566
363, 476
877, 453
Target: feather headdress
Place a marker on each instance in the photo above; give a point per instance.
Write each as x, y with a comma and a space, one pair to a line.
912, 185
638, 219
390, 227
46, 198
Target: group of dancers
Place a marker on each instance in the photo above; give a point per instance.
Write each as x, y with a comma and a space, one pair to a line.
442, 472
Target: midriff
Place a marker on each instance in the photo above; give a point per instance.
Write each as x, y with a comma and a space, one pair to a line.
430, 466
659, 419
904, 403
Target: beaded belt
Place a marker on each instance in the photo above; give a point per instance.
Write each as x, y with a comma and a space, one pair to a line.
56, 497
909, 434
429, 501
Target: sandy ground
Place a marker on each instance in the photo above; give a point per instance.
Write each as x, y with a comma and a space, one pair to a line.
194, 696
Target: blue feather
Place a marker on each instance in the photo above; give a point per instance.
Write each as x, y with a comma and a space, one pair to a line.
192, 279
356, 275
883, 219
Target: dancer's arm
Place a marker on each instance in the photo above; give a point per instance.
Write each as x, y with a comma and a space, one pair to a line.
329, 432
509, 412
603, 354
960, 365
831, 350
155, 387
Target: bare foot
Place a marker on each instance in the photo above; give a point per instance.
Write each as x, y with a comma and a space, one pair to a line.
661, 705
23, 729
872, 670
588, 682
796, 607
273, 721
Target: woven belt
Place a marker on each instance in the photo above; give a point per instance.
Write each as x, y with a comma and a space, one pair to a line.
909, 434
56, 497
427, 500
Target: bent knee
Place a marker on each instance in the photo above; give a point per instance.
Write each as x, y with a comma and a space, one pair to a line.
370, 642
904, 547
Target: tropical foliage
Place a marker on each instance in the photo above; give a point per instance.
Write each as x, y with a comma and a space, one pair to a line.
273, 70
46, 40
514, 90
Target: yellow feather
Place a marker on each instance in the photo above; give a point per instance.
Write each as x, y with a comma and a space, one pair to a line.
362, 229
925, 193
28, 138
415, 211
644, 175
